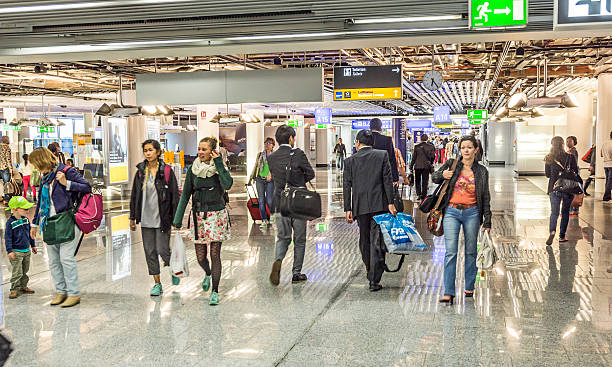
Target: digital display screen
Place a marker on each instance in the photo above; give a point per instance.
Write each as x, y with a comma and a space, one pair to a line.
368, 82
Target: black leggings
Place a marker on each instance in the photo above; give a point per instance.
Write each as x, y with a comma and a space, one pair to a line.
215, 257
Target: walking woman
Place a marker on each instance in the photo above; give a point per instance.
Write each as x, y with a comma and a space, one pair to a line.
206, 182
61, 187
153, 203
26, 171
555, 162
5, 163
468, 205
263, 180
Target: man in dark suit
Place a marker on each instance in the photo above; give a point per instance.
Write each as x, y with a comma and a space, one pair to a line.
300, 172
422, 163
385, 143
368, 191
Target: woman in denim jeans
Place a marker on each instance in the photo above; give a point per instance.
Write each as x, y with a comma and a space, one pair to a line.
556, 161
263, 180
466, 204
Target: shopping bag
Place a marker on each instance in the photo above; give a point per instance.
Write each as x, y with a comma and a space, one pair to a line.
486, 257
178, 259
399, 233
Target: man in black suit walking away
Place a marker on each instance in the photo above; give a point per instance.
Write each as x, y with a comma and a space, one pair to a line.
368, 191
422, 163
300, 172
385, 143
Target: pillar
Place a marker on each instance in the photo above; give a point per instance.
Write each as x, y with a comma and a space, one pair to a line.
137, 133
580, 124
604, 124
9, 115
301, 140
322, 153
205, 127
255, 138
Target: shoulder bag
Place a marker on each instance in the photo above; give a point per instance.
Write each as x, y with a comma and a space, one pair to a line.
435, 216
299, 202
568, 181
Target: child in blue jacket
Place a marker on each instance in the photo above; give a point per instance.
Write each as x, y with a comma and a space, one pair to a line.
18, 242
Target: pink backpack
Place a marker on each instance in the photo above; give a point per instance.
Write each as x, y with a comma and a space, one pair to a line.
88, 215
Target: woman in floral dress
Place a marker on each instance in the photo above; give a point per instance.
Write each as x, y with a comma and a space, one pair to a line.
206, 184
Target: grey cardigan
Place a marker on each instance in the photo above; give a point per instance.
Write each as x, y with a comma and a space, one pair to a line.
483, 197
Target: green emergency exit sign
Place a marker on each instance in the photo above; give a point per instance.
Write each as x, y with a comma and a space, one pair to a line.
477, 114
46, 129
498, 13
7, 127
321, 126
322, 227
295, 123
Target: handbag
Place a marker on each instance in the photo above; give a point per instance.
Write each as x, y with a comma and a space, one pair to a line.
435, 216
59, 228
568, 181
578, 200
397, 200
299, 202
588, 156
12, 188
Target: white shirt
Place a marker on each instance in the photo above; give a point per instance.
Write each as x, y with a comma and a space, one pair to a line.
606, 153
25, 169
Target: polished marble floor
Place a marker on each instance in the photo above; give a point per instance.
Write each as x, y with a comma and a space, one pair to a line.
539, 306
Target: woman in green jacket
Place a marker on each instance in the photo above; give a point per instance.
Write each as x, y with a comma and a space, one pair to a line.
206, 182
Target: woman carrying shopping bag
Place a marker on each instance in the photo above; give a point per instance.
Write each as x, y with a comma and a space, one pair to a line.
153, 204
206, 182
61, 188
467, 204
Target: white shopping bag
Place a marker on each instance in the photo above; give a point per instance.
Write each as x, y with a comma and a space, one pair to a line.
486, 257
178, 259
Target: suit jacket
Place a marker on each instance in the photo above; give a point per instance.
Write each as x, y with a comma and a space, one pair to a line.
423, 156
301, 170
368, 183
385, 143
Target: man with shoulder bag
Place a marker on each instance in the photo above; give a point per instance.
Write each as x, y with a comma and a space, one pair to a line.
290, 168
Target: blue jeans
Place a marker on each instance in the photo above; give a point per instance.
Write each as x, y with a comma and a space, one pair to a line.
63, 266
452, 221
6, 177
563, 200
340, 161
265, 192
608, 190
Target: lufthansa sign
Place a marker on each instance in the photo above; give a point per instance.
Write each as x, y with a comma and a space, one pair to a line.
586, 14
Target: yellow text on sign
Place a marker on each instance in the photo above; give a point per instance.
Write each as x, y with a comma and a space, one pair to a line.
367, 93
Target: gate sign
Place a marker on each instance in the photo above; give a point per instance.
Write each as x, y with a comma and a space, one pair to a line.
367, 82
365, 124
498, 13
323, 116
583, 13
441, 114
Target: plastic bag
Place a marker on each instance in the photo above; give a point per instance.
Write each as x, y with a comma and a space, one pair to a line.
178, 259
486, 257
399, 233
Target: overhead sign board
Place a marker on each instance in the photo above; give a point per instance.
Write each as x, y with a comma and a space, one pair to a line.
365, 124
583, 14
46, 129
486, 14
323, 115
367, 82
416, 124
295, 123
8, 127
477, 114
441, 114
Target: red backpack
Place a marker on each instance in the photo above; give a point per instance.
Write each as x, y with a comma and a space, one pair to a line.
88, 214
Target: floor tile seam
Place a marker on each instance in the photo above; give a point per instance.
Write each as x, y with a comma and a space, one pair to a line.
333, 300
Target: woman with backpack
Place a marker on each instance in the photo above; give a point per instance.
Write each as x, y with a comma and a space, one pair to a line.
153, 204
30, 177
61, 187
206, 183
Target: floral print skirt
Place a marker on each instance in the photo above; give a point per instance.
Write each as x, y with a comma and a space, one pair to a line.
214, 228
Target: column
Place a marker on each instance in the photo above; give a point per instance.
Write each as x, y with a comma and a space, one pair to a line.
604, 125
205, 127
255, 139
322, 154
301, 141
137, 133
580, 125
9, 115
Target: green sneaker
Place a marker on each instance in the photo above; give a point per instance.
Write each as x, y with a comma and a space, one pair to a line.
157, 290
206, 283
214, 298
176, 280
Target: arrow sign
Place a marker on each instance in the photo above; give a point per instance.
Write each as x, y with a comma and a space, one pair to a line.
487, 14
397, 70
502, 11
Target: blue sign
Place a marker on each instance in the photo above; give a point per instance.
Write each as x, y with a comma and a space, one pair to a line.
441, 114
418, 124
325, 248
365, 124
323, 115
338, 95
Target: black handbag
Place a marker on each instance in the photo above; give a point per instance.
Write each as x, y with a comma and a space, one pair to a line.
397, 200
568, 181
299, 202
429, 203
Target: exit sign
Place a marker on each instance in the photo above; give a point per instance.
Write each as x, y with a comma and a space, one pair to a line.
476, 122
7, 127
486, 14
477, 114
295, 123
46, 129
321, 126
322, 227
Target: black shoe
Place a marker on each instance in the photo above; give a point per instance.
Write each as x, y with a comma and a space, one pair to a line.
550, 239
449, 300
275, 274
299, 278
587, 194
375, 287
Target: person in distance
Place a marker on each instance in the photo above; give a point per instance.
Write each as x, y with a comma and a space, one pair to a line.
422, 164
385, 143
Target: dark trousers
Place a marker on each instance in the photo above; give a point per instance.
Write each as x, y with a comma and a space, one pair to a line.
608, 190
421, 182
5, 174
559, 202
371, 252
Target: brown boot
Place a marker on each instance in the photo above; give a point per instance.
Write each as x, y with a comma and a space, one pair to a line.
28, 291
60, 298
71, 301
14, 295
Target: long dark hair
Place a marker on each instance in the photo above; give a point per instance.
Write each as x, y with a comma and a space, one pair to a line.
556, 150
25, 159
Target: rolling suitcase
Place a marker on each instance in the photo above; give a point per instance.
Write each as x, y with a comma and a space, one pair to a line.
253, 204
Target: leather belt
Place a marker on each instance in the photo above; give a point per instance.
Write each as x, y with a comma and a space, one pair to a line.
462, 206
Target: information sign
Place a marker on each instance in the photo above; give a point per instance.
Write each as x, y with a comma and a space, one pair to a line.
321, 126
323, 116
441, 114
7, 127
498, 13
365, 124
367, 82
583, 14
477, 114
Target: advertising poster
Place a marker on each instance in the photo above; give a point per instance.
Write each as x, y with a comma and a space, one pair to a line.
117, 151
119, 256
234, 139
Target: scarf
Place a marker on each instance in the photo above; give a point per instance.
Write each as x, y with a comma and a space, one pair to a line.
263, 159
45, 198
203, 169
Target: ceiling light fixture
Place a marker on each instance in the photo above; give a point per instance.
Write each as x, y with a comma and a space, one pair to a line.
518, 100
82, 5
406, 19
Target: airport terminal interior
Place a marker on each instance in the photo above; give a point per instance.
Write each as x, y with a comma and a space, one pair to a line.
91, 81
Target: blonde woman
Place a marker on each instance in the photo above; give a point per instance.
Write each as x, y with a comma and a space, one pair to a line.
61, 187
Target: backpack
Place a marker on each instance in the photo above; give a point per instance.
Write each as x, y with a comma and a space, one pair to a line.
167, 173
88, 212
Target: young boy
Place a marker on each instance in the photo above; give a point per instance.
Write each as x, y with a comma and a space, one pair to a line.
18, 242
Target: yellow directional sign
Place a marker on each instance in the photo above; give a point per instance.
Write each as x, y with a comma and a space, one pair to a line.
367, 93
